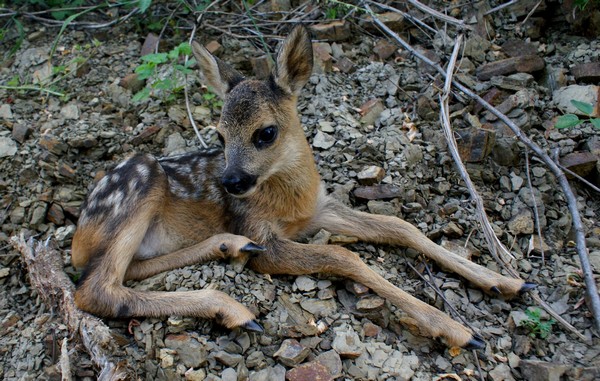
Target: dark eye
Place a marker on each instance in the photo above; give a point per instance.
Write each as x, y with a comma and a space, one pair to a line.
265, 137
221, 138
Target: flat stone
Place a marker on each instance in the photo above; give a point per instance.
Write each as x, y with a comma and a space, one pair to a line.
214, 47
371, 330
189, 350
338, 30
313, 371
501, 373
393, 20
53, 144
475, 144
587, 72
150, 44
261, 66
319, 307
332, 362
305, 283
291, 352
8, 147
145, 136
194, 375
276, 373
384, 49
356, 288
21, 131
347, 344
371, 175
345, 65
6, 112
322, 140
523, 64
514, 82
370, 303
322, 57
582, 163
56, 214
535, 370
228, 359
522, 223
229, 374
70, 111
457, 247
588, 94
371, 111
378, 192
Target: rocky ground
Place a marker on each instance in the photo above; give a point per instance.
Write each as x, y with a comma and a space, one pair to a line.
371, 112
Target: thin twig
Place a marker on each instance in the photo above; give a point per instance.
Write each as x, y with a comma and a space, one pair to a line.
502, 6
498, 250
439, 15
531, 12
187, 98
536, 213
439, 293
575, 175
582, 252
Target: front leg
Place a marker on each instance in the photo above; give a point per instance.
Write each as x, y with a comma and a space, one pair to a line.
338, 218
288, 257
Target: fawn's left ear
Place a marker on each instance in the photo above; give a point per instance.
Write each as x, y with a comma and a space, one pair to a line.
219, 75
294, 61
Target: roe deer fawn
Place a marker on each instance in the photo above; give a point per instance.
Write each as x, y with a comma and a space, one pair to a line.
247, 202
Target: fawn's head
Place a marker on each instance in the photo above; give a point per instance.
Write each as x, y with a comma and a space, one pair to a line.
259, 124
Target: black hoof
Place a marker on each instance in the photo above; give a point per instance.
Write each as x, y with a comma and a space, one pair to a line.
527, 286
253, 326
495, 290
252, 248
476, 342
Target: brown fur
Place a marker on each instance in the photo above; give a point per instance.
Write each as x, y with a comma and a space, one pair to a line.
150, 215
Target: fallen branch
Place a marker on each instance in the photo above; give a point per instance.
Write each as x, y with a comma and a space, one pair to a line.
591, 289
48, 278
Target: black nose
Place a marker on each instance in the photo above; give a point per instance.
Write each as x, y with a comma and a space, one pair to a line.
238, 182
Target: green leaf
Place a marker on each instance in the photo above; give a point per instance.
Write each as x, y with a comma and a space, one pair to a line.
584, 107
144, 5
184, 48
156, 58
595, 122
567, 120
163, 84
141, 95
14, 81
145, 71
183, 69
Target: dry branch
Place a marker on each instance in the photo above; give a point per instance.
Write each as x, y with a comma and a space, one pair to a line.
48, 278
493, 242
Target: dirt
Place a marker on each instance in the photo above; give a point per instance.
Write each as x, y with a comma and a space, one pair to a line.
54, 148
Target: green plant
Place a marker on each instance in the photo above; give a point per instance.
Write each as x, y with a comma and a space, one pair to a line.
212, 99
168, 86
571, 120
536, 325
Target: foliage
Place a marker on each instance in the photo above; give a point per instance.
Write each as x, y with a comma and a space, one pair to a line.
572, 120
149, 69
536, 325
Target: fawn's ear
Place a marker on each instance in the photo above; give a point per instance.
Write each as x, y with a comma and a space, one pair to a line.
219, 75
294, 61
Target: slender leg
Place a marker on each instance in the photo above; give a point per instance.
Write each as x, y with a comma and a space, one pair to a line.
288, 257
338, 218
216, 247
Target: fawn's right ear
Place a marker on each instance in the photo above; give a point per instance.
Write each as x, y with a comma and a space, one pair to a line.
219, 75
